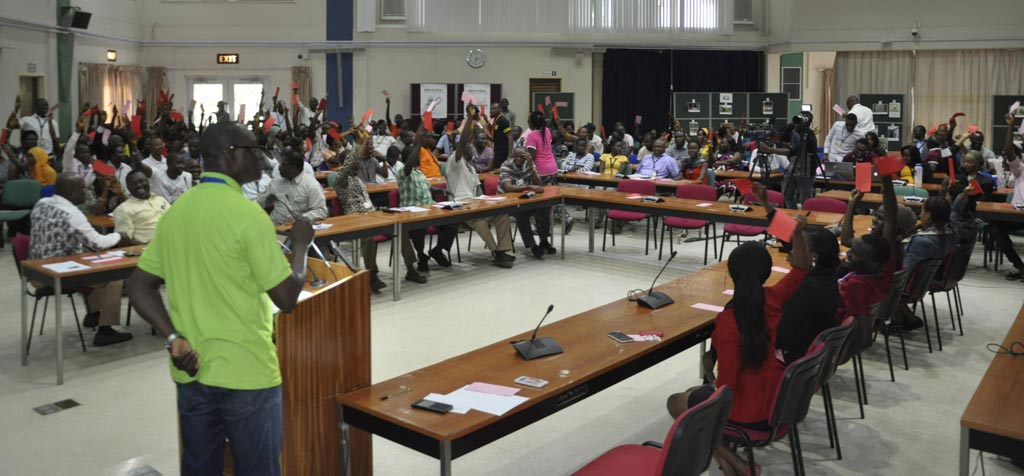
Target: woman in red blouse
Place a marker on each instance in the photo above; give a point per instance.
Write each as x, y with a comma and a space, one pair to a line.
744, 340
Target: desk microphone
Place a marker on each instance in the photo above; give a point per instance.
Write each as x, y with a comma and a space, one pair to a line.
316, 282
534, 347
654, 299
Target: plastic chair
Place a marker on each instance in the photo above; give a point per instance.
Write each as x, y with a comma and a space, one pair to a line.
20, 248
886, 311
918, 283
643, 187
775, 198
827, 205
792, 401
693, 192
904, 191
17, 200
950, 281
834, 340
687, 450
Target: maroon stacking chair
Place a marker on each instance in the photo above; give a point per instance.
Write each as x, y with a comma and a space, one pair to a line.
642, 187
775, 198
792, 401
394, 200
687, 450
20, 248
693, 192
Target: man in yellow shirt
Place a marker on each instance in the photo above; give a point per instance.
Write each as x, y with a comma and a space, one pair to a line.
219, 257
137, 217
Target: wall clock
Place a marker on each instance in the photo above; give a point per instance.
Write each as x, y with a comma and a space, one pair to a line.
476, 58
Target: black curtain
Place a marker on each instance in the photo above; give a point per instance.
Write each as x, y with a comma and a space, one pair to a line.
641, 82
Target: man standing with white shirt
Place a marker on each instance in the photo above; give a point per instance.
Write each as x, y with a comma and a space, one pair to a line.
174, 182
865, 118
842, 138
39, 124
156, 159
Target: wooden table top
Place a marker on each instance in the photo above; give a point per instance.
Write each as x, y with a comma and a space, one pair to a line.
744, 174
984, 210
996, 405
346, 224
612, 181
101, 221
127, 262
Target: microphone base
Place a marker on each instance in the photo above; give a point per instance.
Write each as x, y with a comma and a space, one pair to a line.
655, 299
536, 348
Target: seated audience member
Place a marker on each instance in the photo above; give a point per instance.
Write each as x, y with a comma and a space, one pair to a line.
392, 163
912, 158
1000, 230
934, 240
730, 157
678, 149
428, 162
657, 164
81, 163
137, 217
616, 161
355, 201
578, 160
519, 175
976, 142
646, 145
919, 142
156, 159
414, 190
875, 145
695, 167
842, 138
293, 194
865, 277
744, 340
708, 144
463, 184
483, 154
382, 139
39, 168
861, 153
173, 182
59, 229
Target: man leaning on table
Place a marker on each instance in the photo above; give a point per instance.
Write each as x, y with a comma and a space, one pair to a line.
59, 228
218, 255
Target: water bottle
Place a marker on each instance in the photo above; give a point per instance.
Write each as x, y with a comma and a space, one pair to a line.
918, 175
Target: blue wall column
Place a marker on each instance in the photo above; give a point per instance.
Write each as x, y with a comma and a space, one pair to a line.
339, 18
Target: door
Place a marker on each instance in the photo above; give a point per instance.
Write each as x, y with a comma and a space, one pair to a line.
545, 85
233, 92
29, 89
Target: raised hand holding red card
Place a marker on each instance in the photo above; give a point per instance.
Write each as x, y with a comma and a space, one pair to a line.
864, 177
782, 226
890, 165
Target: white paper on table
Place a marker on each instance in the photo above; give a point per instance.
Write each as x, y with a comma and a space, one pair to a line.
322, 226
437, 397
705, 204
590, 172
708, 307
780, 269
414, 209
729, 292
492, 198
453, 204
65, 266
494, 404
640, 177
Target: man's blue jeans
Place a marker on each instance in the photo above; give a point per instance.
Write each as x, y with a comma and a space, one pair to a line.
250, 420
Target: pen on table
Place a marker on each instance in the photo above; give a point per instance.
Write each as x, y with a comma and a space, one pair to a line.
395, 394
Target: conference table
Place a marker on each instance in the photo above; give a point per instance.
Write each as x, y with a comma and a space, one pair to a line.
993, 421
989, 211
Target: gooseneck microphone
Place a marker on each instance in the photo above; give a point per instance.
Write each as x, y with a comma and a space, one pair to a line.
533, 347
655, 299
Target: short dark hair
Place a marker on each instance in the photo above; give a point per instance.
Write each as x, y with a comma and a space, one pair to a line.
292, 157
879, 247
825, 245
134, 172
852, 117
864, 141
938, 208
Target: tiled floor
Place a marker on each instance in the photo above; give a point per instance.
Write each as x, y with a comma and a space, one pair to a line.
127, 415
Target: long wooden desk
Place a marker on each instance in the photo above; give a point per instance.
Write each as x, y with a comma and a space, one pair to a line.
993, 421
932, 188
591, 362
662, 185
991, 211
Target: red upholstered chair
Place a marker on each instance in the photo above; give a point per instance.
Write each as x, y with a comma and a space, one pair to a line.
688, 447
20, 247
829, 205
693, 192
491, 188
775, 198
394, 200
792, 401
642, 187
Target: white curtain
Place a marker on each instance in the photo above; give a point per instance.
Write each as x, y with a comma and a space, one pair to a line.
105, 85
947, 82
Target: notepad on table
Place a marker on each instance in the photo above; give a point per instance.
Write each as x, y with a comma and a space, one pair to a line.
492, 198
708, 307
65, 266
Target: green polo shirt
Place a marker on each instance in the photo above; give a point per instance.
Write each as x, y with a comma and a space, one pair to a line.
218, 254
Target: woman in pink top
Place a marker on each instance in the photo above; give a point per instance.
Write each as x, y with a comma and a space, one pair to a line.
538, 144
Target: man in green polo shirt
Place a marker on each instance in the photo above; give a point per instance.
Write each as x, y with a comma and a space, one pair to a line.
219, 257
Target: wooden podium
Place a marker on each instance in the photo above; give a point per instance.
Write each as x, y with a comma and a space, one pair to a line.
323, 347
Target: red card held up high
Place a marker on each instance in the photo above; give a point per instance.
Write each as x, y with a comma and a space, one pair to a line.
889, 165
137, 125
366, 116
450, 126
267, 124
782, 226
975, 187
428, 121
864, 177
951, 169
295, 99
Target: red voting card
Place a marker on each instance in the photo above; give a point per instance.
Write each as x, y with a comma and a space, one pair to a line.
975, 187
450, 126
87, 113
890, 165
323, 103
267, 124
177, 116
602, 131
295, 99
309, 144
864, 177
295, 86
951, 169
468, 98
192, 105
241, 113
971, 129
540, 108
428, 121
91, 135
3, 136
366, 117
137, 125
547, 100
744, 186
103, 168
959, 114
637, 119
554, 112
782, 226
277, 92
333, 133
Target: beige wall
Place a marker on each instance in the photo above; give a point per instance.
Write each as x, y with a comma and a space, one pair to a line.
394, 69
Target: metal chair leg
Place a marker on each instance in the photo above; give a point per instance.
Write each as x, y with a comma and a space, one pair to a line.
938, 330
828, 418
647, 236
927, 332
856, 384
604, 233
949, 304
888, 355
78, 323
799, 451
835, 424
863, 379
959, 306
32, 326
792, 453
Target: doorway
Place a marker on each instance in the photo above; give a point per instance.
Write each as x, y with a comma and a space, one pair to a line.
30, 88
545, 85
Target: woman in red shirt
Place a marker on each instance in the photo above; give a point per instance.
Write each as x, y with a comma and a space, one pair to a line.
744, 340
